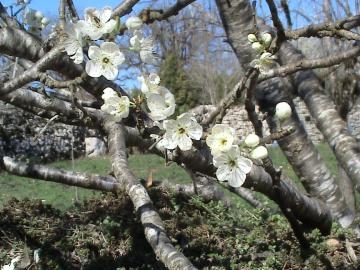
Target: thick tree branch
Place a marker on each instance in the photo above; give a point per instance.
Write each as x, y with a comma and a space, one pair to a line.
154, 228
309, 210
90, 181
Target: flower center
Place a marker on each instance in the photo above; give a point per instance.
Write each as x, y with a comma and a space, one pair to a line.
182, 130
96, 21
232, 163
223, 142
106, 60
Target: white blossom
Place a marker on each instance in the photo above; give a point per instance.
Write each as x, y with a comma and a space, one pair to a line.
232, 167
282, 111
74, 42
259, 152
220, 139
114, 105
149, 83
98, 22
104, 60
179, 132
264, 63
252, 140
134, 23
144, 46
161, 104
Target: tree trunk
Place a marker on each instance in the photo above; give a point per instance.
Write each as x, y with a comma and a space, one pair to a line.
237, 19
327, 119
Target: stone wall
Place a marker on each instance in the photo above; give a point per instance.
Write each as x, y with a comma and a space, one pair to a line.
22, 135
236, 117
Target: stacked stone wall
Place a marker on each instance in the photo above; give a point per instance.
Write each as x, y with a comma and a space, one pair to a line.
22, 135
236, 117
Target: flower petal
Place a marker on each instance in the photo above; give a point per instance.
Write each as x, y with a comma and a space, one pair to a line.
93, 69
110, 72
94, 52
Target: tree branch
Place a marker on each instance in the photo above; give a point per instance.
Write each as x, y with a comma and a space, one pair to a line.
154, 228
304, 64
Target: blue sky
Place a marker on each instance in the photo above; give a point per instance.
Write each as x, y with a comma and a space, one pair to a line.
49, 7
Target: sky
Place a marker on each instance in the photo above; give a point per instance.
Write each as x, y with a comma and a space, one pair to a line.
50, 7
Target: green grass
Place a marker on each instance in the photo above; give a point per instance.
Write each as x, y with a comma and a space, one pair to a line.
62, 196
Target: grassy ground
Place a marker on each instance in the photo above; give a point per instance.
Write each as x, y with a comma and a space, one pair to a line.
61, 196
102, 231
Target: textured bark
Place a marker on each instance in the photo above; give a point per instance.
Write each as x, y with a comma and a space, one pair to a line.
299, 150
327, 119
90, 181
19, 43
154, 228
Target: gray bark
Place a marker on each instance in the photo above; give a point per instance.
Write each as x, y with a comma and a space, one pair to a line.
299, 150
154, 228
328, 121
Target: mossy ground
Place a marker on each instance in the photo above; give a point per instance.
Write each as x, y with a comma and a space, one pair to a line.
105, 233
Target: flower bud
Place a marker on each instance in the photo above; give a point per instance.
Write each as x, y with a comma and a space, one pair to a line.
266, 39
252, 140
45, 21
257, 47
259, 152
282, 111
252, 38
134, 23
38, 15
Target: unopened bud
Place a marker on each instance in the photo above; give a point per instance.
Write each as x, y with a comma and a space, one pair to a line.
259, 152
257, 47
266, 39
38, 15
45, 21
282, 111
252, 38
134, 23
252, 140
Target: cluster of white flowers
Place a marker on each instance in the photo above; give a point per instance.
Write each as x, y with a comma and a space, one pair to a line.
231, 165
35, 20
260, 45
139, 43
105, 59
